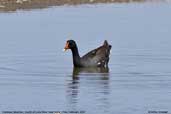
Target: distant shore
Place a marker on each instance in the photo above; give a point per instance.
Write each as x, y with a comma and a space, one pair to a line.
13, 5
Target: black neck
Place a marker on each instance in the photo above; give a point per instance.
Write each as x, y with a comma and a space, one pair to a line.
76, 56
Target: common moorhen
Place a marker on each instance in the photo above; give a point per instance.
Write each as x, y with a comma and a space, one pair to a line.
98, 57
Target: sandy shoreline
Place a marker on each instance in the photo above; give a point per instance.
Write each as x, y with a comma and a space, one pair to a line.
13, 5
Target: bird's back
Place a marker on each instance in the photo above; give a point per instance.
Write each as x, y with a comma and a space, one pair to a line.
98, 56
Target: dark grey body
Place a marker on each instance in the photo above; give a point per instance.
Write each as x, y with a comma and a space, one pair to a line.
98, 57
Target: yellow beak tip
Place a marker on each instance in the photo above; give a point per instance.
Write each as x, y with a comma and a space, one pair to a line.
64, 49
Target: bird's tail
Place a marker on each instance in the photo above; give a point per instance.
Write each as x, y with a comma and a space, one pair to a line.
106, 44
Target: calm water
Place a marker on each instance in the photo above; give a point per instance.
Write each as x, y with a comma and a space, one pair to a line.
36, 75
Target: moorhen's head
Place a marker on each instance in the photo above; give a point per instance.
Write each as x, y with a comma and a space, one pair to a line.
70, 44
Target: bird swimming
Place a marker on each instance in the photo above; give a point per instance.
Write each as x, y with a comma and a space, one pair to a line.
98, 57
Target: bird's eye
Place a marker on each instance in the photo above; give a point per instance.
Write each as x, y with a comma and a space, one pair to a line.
69, 43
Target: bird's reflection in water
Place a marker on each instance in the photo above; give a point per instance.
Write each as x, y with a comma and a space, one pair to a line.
72, 91
99, 76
